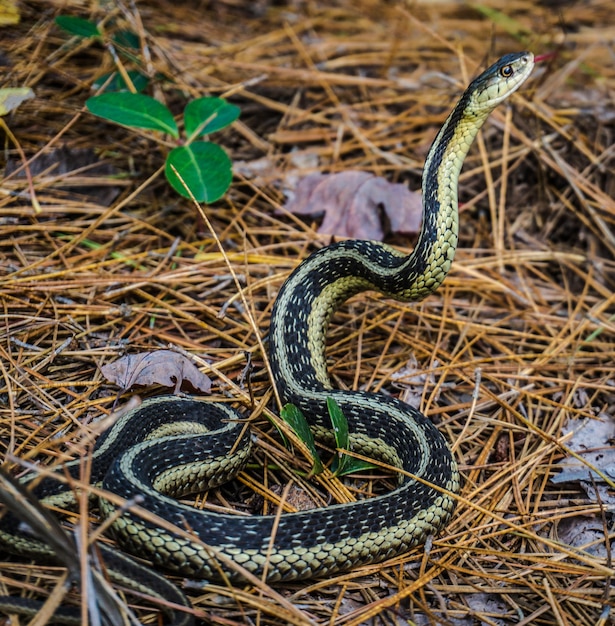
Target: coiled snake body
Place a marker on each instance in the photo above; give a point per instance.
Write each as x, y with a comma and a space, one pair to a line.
336, 538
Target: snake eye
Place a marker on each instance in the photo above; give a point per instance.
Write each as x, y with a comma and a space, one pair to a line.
506, 71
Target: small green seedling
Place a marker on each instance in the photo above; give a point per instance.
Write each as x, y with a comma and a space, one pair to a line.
343, 463
296, 420
199, 169
195, 168
122, 44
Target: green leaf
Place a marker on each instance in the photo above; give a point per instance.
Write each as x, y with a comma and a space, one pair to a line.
206, 115
133, 109
117, 83
128, 45
78, 26
340, 424
127, 39
343, 463
352, 465
295, 419
205, 169
340, 432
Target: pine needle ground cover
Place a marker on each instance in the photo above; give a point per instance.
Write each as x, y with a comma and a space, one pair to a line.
100, 258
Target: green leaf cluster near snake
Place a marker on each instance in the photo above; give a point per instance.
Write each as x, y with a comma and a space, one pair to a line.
343, 463
168, 446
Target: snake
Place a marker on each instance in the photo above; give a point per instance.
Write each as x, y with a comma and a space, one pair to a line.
169, 446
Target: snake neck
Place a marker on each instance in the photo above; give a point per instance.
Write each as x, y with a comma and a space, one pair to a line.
437, 242
333, 274
311, 295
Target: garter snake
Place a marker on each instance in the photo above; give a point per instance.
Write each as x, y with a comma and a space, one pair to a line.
129, 461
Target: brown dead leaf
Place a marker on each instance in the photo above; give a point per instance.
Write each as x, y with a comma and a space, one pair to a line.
296, 497
163, 367
352, 203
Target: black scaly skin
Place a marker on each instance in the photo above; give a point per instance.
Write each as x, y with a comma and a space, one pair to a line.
333, 539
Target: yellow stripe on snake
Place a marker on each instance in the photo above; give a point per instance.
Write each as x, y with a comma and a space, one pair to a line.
319, 542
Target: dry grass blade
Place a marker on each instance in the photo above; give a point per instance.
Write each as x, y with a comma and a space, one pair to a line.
517, 345
104, 605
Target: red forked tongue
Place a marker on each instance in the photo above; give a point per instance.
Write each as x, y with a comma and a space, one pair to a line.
542, 57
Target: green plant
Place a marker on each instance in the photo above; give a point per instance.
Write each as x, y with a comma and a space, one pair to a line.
199, 169
194, 168
122, 45
342, 463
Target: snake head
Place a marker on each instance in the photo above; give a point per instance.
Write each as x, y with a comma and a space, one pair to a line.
497, 82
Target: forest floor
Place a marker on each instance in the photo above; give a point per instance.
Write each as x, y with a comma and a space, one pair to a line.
512, 358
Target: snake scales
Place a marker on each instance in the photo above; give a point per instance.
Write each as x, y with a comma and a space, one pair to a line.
132, 462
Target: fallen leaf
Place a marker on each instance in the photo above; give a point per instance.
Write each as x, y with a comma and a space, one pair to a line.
412, 380
585, 533
352, 203
592, 440
12, 97
163, 367
297, 497
487, 604
9, 13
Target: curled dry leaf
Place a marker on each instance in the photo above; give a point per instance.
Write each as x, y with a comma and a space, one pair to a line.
163, 367
352, 203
